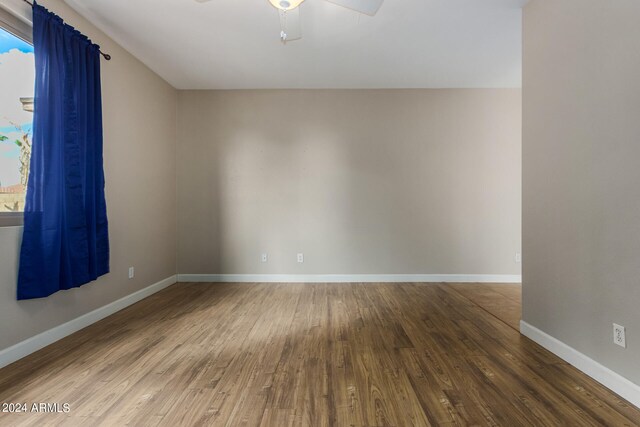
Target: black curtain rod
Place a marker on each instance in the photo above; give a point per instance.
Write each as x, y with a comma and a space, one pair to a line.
105, 55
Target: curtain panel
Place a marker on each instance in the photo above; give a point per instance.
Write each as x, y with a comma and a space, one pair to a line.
65, 242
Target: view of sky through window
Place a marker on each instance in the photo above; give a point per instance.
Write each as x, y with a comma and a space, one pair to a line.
16, 115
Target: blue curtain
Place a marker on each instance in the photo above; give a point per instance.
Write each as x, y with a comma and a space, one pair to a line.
65, 242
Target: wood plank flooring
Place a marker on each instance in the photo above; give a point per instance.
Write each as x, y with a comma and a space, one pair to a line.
310, 355
499, 299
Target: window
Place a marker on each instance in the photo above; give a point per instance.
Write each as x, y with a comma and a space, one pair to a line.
17, 74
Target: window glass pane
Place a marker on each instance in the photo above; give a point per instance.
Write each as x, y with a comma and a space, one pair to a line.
17, 73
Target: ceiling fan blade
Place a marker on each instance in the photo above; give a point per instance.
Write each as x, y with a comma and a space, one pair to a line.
368, 7
290, 25
202, 1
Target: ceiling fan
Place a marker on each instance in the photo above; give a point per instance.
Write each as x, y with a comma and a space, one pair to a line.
289, 11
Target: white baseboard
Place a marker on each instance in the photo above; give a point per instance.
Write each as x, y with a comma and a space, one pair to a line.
605, 376
35, 343
351, 278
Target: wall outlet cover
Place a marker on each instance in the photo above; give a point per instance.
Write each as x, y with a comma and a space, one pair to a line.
619, 337
300, 257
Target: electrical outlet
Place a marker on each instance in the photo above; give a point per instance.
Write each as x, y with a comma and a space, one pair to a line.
300, 257
265, 258
619, 336
518, 257
131, 272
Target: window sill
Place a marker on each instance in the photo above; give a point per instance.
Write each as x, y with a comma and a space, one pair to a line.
10, 219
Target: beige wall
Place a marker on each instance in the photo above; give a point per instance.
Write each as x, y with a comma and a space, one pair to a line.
581, 175
360, 181
139, 159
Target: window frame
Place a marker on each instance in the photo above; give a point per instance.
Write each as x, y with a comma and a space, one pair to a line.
23, 30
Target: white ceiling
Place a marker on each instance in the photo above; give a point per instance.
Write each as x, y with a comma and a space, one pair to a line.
234, 44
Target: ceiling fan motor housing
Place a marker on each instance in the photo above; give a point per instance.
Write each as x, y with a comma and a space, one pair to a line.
285, 4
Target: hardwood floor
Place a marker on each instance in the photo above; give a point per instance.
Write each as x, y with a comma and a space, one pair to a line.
499, 299
313, 355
